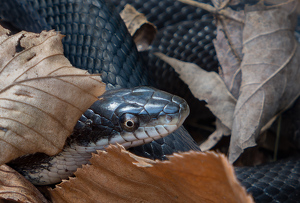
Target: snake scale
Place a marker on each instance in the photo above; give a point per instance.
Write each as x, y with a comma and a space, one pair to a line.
275, 182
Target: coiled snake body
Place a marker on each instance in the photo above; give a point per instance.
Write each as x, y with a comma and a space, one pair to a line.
116, 58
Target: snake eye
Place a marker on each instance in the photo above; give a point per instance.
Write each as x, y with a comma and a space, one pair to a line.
129, 122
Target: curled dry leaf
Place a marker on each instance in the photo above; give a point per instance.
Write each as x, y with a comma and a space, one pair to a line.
118, 175
143, 32
41, 96
14, 186
270, 73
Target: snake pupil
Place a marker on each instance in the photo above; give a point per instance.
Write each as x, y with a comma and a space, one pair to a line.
129, 124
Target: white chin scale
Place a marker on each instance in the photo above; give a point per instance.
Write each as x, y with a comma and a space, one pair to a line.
143, 135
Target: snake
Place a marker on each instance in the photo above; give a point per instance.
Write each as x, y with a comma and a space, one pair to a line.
115, 57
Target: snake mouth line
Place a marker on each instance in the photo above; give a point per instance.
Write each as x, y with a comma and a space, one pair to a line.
141, 136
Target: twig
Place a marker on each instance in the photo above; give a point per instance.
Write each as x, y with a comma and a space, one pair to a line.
212, 9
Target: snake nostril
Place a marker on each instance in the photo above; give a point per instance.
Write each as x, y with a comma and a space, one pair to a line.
168, 118
184, 105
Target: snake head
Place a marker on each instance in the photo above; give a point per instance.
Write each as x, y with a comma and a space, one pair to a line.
132, 117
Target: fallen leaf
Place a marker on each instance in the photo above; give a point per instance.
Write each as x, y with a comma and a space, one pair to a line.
228, 45
117, 175
42, 95
142, 31
14, 186
207, 86
270, 73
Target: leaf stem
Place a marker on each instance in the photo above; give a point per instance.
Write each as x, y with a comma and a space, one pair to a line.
212, 9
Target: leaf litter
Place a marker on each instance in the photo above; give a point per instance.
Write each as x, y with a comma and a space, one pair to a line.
259, 59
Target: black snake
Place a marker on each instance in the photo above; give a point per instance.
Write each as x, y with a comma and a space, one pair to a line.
276, 182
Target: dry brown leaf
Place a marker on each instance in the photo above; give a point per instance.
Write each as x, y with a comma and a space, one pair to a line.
228, 45
42, 95
14, 186
187, 177
143, 31
270, 73
207, 86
